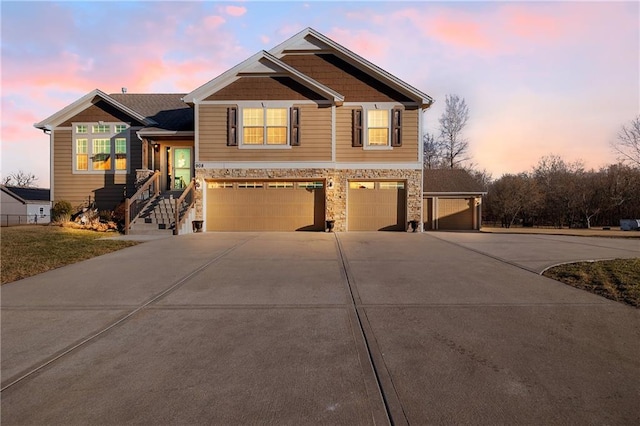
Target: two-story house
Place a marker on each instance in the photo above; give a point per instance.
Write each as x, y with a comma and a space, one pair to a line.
305, 133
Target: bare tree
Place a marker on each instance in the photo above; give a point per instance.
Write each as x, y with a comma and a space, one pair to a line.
21, 179
452, 122
627, 143
432, 152
512, 197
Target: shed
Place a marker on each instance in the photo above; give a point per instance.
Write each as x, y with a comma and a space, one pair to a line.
452, 200
25, 205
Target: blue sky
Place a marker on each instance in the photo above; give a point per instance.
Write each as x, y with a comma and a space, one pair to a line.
539, 77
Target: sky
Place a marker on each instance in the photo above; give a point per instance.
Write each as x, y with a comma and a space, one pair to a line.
539, 78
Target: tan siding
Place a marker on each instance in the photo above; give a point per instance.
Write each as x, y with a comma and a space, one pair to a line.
260, 88
106, 189
353, 84
408, 152
315, 131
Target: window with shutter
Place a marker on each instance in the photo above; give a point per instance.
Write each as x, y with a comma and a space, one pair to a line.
357, 128
396, 127
295, 126
232, 126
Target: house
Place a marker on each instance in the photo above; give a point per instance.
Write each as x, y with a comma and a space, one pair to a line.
305, 133
24, 205
452, 200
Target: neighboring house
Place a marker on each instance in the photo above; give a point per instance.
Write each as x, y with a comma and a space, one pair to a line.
286, 140
25, 205
452, 200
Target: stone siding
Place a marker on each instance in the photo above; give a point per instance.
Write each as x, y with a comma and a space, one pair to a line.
336, 186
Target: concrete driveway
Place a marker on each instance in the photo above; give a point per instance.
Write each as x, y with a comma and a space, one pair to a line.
308, 328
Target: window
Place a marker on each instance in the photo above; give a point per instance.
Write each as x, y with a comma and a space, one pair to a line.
391, 185
361, 185
250, 185
310, 185
101, 128
82, 157
101, 154
377, 128
219, 185
121, 153
274, 185
264, 126
100, 151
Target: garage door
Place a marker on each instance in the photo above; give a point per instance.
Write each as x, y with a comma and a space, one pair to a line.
376, 206
455, 213
265, 206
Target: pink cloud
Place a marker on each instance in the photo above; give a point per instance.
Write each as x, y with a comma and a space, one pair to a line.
373, 46
461, 33
264, 39
235, 10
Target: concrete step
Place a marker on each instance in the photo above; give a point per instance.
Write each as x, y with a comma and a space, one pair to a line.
150, 229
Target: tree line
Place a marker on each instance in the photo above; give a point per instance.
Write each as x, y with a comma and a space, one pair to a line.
561, 194
555, 192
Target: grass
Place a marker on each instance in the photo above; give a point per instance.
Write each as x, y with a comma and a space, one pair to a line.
617, 279
30, 250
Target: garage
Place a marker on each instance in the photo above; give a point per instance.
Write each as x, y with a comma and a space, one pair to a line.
265, 206
376, 206
452, 200
449, 213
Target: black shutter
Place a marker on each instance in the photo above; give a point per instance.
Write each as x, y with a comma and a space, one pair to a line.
295, 126
356, 138
232, 126
396, 127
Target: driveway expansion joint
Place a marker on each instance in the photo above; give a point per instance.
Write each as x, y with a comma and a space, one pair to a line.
82, 342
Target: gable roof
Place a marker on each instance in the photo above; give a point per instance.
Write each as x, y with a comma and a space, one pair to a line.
26, 195
450, 181
83, 103
166, 110
158, 111
311, 41
261, 64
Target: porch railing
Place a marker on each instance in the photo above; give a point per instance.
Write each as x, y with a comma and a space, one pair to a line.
184, 204
135, 204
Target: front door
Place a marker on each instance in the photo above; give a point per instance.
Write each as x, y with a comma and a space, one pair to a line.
181, 165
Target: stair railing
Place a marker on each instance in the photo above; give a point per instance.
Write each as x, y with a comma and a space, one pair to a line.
137, 202
189, 198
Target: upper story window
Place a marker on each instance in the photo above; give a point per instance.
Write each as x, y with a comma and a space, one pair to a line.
262, 127
101, 128
377, 128
105, 149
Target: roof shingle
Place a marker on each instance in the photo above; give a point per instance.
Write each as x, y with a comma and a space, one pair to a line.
166, 109
450, 180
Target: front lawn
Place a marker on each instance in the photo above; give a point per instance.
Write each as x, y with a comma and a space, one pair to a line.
617, 279
31, 250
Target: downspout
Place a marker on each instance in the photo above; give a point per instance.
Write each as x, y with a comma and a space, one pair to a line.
47, 130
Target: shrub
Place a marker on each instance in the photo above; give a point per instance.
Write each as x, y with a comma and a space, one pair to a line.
61, 211
105, 215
